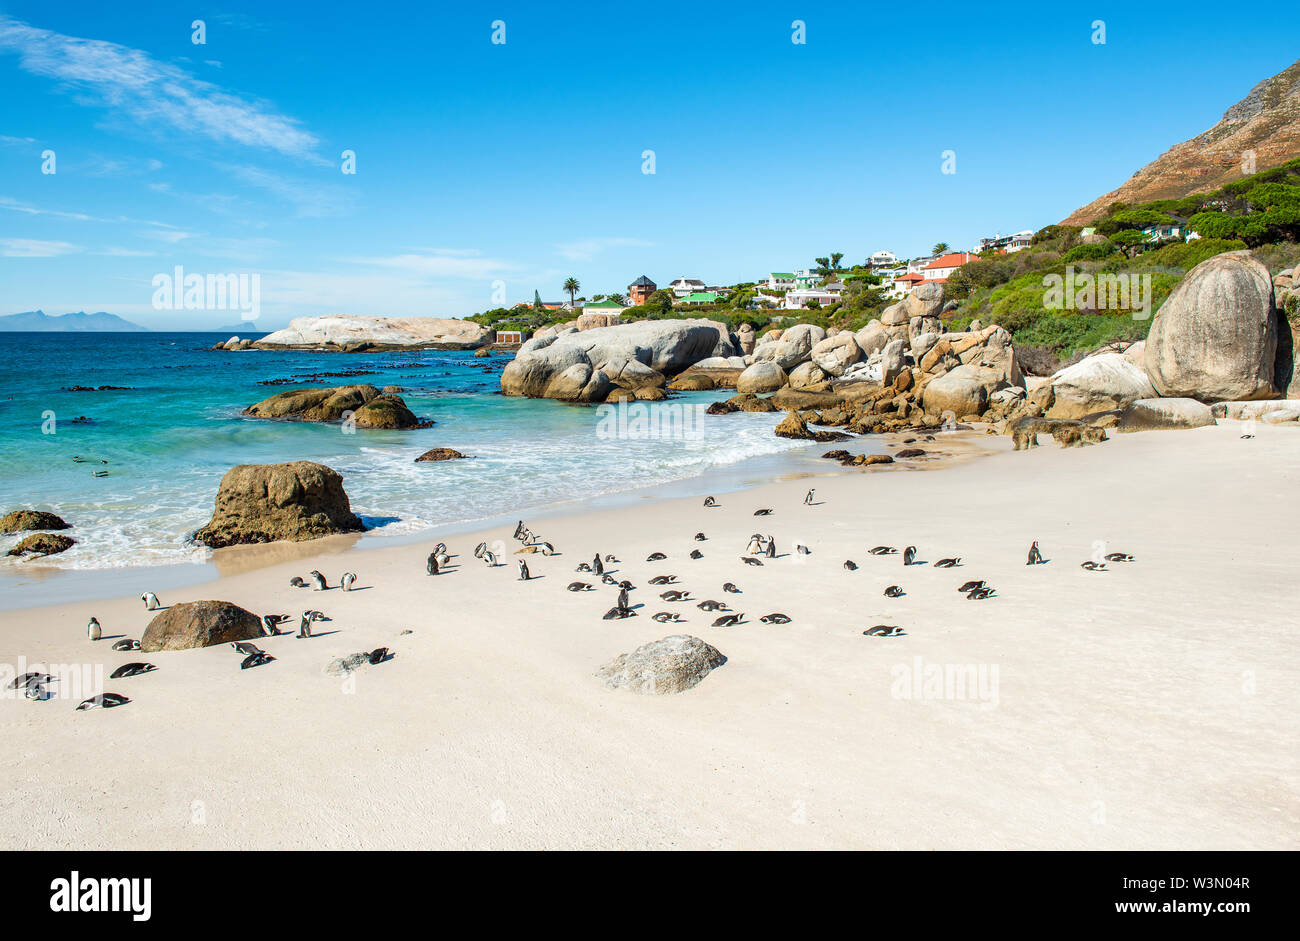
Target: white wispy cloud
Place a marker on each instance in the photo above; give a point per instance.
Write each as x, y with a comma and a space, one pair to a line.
14, 205
588, 249
35, 248
149, 92
115, 251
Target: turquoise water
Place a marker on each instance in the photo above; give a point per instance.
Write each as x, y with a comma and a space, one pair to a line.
171, 434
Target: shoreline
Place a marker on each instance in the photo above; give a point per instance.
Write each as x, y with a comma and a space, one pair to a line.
54, 585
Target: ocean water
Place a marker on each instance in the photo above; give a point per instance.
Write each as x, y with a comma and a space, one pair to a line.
170, 434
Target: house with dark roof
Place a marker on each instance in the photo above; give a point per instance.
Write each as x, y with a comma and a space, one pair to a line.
641, 289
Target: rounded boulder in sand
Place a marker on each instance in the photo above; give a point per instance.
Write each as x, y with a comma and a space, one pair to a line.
192, 624
296, 501
1216, 338
671, 665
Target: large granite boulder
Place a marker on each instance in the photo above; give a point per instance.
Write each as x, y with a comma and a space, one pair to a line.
1216, 338
192, 624
924, 300
962, 392
872, 338
760, 378
378, 333
21, 521
836, 353
269, 502
579, 366
807, 375
671, 665
1097, 384
1164, 415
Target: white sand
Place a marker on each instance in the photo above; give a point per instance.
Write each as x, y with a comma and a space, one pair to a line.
1151, 706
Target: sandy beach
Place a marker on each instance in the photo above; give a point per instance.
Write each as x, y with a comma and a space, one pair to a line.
1149, 706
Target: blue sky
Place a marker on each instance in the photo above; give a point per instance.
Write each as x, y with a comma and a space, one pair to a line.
522, 163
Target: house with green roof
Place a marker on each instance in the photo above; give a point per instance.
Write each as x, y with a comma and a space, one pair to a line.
700, 297
780, 280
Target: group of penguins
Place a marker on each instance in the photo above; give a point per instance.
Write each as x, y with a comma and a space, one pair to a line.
34, 686
759, 547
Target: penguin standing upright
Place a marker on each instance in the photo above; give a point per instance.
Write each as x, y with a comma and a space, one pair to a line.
808, 497
523, 571
771, 547
431, 564
346, 581
93, 630
150, 601
1035, 557
597, 566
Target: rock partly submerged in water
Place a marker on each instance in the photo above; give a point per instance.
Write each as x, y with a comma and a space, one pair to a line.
378, 333
21, 521
192, 624
365, 405
440, 454
671, 665
296, 501
43, 544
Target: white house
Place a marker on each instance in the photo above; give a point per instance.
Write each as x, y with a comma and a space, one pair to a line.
683, 286
882, 259
799, 298
942, 267
780, 281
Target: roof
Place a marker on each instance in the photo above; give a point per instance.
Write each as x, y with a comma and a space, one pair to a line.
700, 297
601, 305
950, 260
643, 282
911, 276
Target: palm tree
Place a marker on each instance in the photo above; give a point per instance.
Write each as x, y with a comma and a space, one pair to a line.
835, 260
571, 285
940, 248
823, 264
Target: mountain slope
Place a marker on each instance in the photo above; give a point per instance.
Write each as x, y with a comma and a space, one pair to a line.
1265, 122
81, 322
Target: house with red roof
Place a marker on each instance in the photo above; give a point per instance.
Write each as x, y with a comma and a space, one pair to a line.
942, 267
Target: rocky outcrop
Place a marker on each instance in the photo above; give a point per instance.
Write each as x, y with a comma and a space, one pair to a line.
362, 334
1216, 338
364, 404
21, 521
440, 454
671, 665
1165, 414
43, 544
192, 624
835, 354
270, 502
1096, 384
584, 366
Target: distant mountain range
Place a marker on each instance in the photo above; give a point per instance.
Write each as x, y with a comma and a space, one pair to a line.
80, 322
1265, 124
